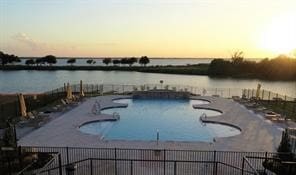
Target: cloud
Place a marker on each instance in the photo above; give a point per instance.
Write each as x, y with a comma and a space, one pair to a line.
25, 39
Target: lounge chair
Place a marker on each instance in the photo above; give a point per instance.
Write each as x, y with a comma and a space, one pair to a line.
272, 115
71, 102
64, 102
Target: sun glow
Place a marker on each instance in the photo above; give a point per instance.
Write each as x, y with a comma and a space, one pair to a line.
280, 35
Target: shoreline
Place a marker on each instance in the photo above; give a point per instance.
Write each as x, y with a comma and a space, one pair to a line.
194, 69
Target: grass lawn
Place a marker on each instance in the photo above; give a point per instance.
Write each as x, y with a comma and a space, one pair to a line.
287, 109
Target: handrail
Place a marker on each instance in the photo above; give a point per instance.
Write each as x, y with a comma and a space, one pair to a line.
142, 160
48, 163
250, 165
25, 169
147, 149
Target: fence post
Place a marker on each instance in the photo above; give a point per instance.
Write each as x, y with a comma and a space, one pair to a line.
115, 156
60, 165
67, 150
248, 94
294, 107
175, 168
215, 164
20, 156
243, 166
164, 159
9, 164
285, 106
131, 166
97, 91
265, 160
91, 167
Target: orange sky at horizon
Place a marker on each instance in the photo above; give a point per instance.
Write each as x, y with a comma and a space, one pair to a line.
156, 28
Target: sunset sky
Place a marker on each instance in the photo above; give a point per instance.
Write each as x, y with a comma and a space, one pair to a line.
156, 28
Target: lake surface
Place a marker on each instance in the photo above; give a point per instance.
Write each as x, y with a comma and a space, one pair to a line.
40, 81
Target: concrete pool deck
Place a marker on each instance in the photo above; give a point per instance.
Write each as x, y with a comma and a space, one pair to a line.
257, 134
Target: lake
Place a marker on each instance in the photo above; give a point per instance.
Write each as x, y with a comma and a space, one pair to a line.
40, 81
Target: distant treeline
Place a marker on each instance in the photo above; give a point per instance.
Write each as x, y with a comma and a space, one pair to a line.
280, 68
6, 59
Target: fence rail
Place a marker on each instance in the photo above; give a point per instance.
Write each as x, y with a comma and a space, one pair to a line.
118, 161
155, 161
12, 109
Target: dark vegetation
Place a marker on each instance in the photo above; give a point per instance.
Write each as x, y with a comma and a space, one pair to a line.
280, 68
71, 61
286, 108
6, 58
284, 162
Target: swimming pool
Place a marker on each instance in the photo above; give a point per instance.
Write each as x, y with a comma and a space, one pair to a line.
175, 120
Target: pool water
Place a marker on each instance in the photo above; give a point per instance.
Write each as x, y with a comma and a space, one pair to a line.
175, 120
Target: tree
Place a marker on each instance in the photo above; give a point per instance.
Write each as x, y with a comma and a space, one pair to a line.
237, 57
132, 60
115, 62
71, 61
3, 58
124, 61
90, 61
144, 60
30, 62
39, 61
6, 58
50, 59
284, 146
107, 61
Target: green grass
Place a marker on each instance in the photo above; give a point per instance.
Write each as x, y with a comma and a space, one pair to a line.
287, 109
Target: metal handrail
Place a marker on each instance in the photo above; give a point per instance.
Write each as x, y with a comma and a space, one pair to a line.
245, 159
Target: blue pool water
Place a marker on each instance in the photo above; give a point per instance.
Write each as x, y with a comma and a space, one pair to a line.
176, 120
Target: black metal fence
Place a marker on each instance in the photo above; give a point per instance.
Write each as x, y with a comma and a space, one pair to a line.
11, 110
33, 102
114, 161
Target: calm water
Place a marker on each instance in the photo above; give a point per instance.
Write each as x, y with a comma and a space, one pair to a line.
40, 81
174, 119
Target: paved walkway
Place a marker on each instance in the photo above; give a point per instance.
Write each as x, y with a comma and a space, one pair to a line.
256, 135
